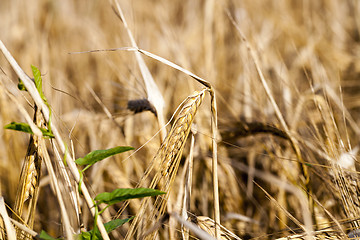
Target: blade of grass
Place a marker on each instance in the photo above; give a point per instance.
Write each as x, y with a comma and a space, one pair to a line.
123, 194
98, 155
153, 56
24, 127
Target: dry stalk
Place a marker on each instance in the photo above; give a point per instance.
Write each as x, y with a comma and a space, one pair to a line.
2, 229
10, 231
187, 186
68, 188
23, 228
152, 90
214, 128
64, 212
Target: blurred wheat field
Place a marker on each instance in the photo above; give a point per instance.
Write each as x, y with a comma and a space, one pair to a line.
308, 52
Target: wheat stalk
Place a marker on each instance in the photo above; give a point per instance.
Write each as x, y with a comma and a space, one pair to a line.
167, 159
187, 187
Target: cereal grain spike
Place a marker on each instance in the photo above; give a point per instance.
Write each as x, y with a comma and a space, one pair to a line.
166, 163
28, 189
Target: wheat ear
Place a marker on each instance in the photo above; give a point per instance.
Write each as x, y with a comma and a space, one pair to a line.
168, 159
28, 189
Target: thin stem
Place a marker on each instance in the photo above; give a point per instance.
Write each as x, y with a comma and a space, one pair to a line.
55, 183
215, 163
152, 90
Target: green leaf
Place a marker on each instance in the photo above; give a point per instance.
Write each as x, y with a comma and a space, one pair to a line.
112, 225
122, 194
38, 81
43, 235
109, 226
98, 155
24, 127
